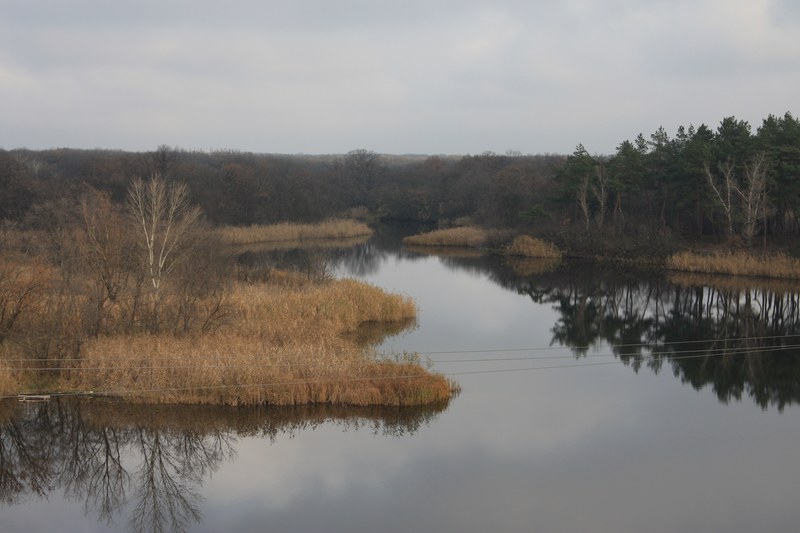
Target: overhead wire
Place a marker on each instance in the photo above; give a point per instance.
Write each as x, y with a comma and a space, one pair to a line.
600, 346
672, 354
126, 392
626, 362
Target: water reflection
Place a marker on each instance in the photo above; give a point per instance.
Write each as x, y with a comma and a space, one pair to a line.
738, 339
722, 333
725, 333
85, 449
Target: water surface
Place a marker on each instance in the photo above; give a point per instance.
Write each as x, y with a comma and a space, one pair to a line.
594, 399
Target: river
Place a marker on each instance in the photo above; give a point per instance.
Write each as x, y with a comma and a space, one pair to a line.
594, 398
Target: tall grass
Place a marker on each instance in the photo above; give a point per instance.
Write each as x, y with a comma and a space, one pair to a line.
238, 370
8, 382
291, 339
332, 229
469, 236
737, 264
283, 346
527, 246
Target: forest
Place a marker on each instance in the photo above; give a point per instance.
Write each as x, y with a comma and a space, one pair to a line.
730, 184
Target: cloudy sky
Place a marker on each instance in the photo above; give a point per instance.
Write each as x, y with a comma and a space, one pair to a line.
410, 76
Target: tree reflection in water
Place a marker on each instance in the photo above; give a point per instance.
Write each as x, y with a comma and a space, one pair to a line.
82, 447
732, 334
736, 338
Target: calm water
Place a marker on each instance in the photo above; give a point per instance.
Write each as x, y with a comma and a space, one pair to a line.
593, 400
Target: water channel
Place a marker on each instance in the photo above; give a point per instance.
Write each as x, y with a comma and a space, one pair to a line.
594, 398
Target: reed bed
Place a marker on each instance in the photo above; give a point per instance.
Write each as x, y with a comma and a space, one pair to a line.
527, 246
8, 382
294, 311
317, 244
236, 370
737, 264
331, 229
468, 236
284, 344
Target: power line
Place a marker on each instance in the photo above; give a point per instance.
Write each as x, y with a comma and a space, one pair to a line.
601, 346
644, 345
128, 392
709, 352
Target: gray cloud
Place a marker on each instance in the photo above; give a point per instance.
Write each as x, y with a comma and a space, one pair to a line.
419, 76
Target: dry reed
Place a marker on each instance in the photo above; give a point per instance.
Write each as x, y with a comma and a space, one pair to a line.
469, 236
332, 229
237, 370
317, 244
527, 246
737, 264
285, 346
8, 382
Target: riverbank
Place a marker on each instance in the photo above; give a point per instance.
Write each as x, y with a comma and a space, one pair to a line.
289, 341
502, 241
708, 259
331, 229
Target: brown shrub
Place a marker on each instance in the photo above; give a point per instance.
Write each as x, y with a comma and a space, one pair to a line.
469, 236
527, 246
332, 229
737, 264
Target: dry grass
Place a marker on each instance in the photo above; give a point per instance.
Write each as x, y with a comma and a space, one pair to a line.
8, 382
469, 236
527, 246
332, 229
290, 341
284, 345
737, 264
317, 244
237, 370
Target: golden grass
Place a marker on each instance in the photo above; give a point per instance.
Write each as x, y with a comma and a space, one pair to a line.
332, 229
318, 244
527, 246
8, 382
236, 370
737, 264
469, 236
284, 344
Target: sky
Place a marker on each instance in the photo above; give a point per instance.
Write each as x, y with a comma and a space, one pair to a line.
399, 77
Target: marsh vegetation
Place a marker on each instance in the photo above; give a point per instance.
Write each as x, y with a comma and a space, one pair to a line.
145, 301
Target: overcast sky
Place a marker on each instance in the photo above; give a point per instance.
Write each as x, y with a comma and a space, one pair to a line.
394, 76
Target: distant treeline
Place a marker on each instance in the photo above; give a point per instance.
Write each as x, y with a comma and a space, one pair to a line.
729, 181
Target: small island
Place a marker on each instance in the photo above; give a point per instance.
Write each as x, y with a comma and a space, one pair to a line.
144, 301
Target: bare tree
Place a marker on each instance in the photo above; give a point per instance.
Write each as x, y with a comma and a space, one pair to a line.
600, 190
582, 196
750, 196
754, 196
105, 250
166, 225
725, 190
